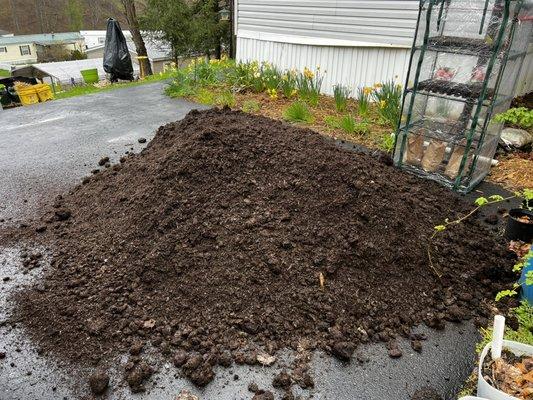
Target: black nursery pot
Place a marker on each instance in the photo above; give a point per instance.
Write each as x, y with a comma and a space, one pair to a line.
518, 230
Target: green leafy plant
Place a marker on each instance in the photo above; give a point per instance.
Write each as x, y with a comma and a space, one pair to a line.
288, 84
387, 143
332, 122
309, 84
251, 106
226, 98
205, 96
363, 100
271, 76
520, 117
388, 96
298, 112
341, 94
348, 123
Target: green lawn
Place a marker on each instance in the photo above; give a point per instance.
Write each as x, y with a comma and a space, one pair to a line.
89, 89
4, 73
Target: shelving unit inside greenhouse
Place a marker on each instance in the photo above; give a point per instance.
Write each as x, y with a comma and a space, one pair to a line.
465, 62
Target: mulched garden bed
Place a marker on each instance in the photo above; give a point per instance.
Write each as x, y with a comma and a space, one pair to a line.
232, 236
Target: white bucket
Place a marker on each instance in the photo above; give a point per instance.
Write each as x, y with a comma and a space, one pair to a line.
484, 389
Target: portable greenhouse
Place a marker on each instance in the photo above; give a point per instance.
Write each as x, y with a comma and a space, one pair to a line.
465, 61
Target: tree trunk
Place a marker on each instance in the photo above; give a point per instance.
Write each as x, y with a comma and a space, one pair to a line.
14, 16
133, 22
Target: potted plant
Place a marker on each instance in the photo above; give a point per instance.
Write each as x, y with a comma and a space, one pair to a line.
500, 372
520, 220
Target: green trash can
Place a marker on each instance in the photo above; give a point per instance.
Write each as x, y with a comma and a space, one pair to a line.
90, 76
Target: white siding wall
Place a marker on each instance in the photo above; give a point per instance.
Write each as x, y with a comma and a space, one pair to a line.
384, 22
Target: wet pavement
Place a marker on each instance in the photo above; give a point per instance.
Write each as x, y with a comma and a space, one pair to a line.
48, 148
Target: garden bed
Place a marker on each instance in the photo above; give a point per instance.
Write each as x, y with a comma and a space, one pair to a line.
232, 236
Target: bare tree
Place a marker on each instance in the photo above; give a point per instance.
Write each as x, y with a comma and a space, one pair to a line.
133, 22
14, 16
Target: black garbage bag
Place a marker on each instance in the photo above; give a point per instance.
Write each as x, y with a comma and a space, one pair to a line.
117, 59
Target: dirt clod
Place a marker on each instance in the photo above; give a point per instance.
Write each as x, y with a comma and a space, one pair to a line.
282, 380
263, 395
98, 382
103, 161
211, 241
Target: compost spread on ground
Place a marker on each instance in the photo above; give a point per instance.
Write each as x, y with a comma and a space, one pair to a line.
232, 236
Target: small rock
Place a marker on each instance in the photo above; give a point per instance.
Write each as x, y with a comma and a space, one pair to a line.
99, 381
142, 140
186, 395
62, 215
265, 359
2, 355
252, 387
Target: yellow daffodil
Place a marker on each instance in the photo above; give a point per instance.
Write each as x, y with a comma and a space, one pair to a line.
382, 104
308, 74
273, 94
367, 90
378, 85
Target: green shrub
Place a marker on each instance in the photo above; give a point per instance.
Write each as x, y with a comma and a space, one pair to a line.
251, 106
520, 117
388, 96
363, 100
341, 94
309, 84
298, 112
226, 98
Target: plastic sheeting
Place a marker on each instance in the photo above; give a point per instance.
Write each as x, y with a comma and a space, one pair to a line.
117, 59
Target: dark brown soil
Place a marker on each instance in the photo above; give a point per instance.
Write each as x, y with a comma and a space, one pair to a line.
209, 245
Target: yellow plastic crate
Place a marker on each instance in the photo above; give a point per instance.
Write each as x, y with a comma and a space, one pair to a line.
28, 95
44, 92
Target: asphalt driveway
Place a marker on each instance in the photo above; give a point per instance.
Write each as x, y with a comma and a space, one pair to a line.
48, 148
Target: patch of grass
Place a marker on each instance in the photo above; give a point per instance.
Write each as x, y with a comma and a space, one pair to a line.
205, 96
341, 94
89, 89
332, 122
226, 98
298, 112
5, 73
251, 106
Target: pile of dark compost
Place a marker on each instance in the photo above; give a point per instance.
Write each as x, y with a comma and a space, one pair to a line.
234, 235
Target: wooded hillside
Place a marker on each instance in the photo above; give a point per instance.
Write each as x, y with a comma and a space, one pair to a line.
44, 16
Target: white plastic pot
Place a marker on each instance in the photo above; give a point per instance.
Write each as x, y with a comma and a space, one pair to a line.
484, 389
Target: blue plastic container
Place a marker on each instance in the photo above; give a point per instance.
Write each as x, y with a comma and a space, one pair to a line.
527, 290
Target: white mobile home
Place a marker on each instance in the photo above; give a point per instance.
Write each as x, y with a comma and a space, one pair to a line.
358, 42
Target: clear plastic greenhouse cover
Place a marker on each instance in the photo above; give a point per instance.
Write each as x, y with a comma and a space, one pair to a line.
465, 61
